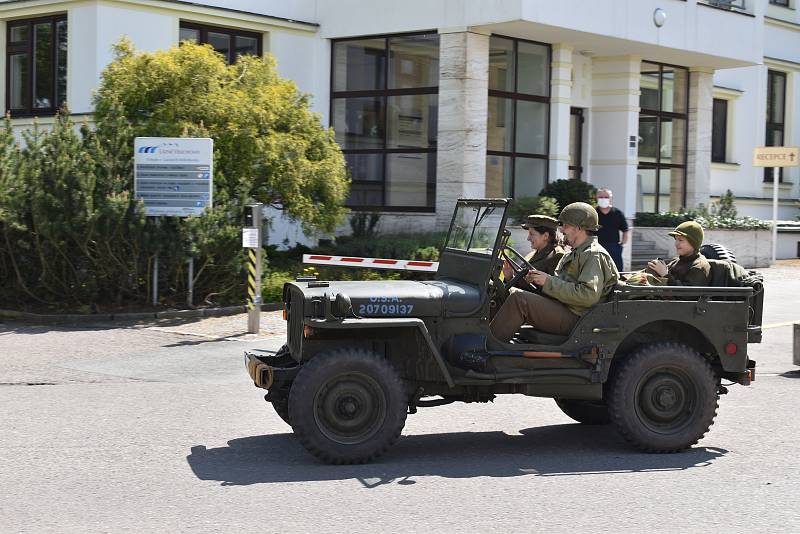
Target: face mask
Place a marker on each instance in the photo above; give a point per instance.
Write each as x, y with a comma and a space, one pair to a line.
603, 202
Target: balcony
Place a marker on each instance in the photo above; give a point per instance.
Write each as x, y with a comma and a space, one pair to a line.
736, 6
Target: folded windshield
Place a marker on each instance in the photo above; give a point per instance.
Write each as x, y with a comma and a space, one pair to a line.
475, 228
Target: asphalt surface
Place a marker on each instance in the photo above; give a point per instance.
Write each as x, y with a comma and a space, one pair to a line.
157, 428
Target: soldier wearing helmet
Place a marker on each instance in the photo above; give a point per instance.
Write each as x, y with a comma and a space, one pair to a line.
581, 279
690, 268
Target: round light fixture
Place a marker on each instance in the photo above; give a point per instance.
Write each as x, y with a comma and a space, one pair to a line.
659, 17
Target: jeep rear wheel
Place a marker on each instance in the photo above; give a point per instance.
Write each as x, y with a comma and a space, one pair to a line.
663, 397
347, 406
585, 411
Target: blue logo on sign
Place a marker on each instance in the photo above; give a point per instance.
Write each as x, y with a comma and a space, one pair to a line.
153, 149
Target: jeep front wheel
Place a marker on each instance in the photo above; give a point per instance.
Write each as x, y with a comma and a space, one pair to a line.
663, 397
585, 411
347, 406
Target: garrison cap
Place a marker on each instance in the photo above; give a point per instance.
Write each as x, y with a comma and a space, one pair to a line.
580, 214
536, 221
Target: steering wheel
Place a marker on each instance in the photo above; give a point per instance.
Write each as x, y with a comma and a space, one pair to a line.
519, 265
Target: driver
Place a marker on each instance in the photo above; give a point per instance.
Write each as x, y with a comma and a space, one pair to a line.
546, 251
581, 279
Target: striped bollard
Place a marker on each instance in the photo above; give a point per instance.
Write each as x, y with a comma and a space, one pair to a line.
251, 240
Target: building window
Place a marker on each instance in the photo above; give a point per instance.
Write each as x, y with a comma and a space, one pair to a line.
36, 65
384, 111
783, 3
664, 102
519, 118
230, 43
575, 143
776, 116
719, 132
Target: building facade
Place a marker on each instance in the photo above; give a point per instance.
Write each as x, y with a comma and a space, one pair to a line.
660, 100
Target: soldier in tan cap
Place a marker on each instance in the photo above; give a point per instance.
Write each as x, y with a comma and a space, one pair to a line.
546, 251
581, 279
690, 268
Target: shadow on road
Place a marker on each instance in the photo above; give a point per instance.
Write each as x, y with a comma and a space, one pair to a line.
541, 451
791, 374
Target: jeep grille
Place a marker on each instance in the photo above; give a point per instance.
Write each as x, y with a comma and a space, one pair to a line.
294, 328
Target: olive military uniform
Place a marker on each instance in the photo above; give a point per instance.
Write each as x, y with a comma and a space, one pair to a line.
583, 277
547, 259
691, 270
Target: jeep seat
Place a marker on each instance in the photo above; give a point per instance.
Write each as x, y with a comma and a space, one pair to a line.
530, 335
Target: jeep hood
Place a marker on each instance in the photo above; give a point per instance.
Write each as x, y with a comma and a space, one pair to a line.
396, 298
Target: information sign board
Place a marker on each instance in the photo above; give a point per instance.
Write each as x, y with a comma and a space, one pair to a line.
776, 156
174, 175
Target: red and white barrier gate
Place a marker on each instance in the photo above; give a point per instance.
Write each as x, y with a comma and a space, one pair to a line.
372, 263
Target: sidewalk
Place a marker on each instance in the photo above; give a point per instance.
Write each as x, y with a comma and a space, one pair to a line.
233, 327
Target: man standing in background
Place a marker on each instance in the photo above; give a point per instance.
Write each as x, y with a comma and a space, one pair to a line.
613, 233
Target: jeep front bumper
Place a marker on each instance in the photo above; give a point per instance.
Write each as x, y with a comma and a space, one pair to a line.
268, 376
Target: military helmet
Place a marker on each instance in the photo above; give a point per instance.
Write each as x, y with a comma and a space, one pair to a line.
580, 214
692, 231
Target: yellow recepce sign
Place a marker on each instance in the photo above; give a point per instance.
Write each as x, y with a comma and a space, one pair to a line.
776, 156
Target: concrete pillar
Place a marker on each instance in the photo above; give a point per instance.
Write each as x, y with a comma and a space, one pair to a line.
560, 102
698, 153
615, 131
463, 108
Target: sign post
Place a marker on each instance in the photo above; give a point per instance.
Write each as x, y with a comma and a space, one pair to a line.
173, 176
251, 240
775, 156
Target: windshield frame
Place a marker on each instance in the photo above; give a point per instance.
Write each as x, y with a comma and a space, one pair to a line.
487, 203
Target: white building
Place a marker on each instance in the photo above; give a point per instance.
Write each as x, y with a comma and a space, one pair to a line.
436, 99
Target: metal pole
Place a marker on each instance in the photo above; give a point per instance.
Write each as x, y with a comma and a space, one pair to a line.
155, 280
190, 284
775, 174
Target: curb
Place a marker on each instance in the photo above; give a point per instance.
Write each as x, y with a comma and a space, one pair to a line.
137, 316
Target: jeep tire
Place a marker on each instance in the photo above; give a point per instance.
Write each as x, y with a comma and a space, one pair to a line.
281, 407
715, 251
663, 397
347, 406
587, 412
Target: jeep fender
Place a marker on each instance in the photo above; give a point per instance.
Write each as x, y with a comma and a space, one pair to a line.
369, 323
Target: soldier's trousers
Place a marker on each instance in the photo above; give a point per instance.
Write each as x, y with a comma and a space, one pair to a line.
523, 307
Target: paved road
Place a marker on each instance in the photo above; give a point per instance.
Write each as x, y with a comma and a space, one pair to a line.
148, 429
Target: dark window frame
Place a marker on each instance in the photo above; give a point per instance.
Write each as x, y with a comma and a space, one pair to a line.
578, 167
781, 3
13, 48
719, 132
772, 125
516, 96
659, 115
230, 32
384, 93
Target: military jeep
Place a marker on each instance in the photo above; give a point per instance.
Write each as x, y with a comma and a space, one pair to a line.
360, 356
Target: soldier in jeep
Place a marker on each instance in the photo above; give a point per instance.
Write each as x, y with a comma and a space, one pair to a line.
690, 268
581, 280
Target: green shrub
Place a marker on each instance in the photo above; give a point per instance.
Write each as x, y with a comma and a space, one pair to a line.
524, 206
722, 215
707, 221
569, 191
663, 220
73, 237
423, 246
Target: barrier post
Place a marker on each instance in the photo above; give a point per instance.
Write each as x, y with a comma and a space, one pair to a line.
251, 240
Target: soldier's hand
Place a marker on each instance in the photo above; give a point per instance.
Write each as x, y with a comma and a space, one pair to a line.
537, 278
658, 266
507, 271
